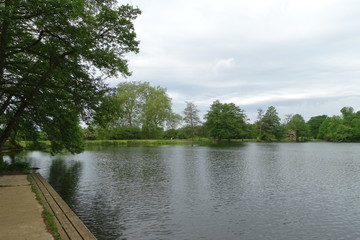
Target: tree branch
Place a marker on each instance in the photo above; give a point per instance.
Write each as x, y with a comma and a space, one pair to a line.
41, 34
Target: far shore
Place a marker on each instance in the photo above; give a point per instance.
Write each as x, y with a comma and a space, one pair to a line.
46, 145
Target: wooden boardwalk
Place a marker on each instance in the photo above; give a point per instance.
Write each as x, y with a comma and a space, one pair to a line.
70, 227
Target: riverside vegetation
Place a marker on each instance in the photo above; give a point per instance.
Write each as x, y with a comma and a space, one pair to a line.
50, 57
136, 113
224, 121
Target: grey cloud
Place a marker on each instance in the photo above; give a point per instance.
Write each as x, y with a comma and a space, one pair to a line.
290, 54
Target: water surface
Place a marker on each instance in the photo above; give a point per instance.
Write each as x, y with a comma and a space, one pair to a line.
246, 191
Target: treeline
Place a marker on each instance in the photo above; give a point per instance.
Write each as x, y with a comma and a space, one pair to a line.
136, 110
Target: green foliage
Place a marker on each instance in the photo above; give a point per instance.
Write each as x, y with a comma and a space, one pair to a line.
136, 105
355, 128
188, 132
171, 134
335, 129
130, 98
146, 142
107, 112
181, 135
90, 133
225, 121
50, 55
50, 222
191, 117
117, 133
343, 128
64, 133
347, 113
322, 134
269, 126
253, 131
314, 125
156, 112
16, 166
298, 125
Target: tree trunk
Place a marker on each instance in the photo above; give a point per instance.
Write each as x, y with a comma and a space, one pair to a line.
12, 124
3, 46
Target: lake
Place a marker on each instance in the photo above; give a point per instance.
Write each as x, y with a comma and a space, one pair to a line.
243, 191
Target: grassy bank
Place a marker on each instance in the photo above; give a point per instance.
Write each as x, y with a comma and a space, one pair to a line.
46, 145
145, 142
20, 145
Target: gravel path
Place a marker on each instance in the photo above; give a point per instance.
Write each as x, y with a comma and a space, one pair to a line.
20, 213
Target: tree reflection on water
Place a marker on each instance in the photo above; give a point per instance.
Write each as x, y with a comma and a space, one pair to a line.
64, 178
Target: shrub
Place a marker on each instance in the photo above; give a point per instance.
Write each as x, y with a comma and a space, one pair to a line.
14, 167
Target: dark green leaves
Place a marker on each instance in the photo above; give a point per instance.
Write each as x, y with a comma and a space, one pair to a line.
51, 52
225, 120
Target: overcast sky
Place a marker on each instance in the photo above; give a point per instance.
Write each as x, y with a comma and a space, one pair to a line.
300, 56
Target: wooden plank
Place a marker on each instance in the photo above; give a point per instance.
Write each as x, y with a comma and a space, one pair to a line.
44, 193
69, 229
73, 218
60, 228
68, 221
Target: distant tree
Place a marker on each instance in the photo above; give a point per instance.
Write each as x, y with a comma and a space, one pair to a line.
252, 131
269, 124
314, 125
225, 121
323, 129
297, 125
342, 128
334, 129
130, 98
137, 104
171, 134
173, 121
156, 112
347, 114
351, 122
191, 117
260, 123
355, 123
287, 118
51, 53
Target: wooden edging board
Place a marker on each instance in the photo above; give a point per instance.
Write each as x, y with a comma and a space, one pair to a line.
70, 227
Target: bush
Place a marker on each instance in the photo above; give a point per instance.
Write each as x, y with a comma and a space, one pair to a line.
15, 167
170, 134
119, 133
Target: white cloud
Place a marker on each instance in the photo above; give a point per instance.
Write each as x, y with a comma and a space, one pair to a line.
223, 65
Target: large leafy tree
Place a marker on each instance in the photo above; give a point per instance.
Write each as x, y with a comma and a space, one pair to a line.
225, 121
130, 99
269, 125
51, 53
314, 124
157, 113
137, 104
334, 129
